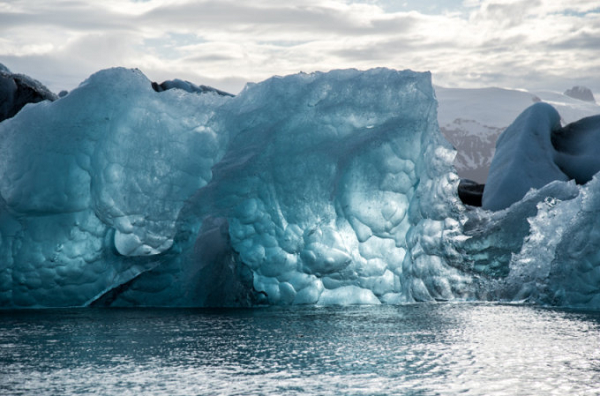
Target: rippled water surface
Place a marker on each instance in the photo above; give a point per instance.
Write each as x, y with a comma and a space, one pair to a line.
424, 349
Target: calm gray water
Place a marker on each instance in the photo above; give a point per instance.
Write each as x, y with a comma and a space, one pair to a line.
424, 349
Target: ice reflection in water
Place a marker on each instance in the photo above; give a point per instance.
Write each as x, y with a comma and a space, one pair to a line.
473, 349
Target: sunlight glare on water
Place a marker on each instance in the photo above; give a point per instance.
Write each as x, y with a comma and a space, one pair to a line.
423, 349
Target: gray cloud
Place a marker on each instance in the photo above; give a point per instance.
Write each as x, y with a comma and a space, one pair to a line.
508, 14
285, 17
74, 15
391, 50
517, 44
582, 40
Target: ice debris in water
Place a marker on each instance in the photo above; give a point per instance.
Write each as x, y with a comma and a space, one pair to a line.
322, 188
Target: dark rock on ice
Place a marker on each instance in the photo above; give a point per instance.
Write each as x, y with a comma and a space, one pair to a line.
187, 86
470, 192
16, 90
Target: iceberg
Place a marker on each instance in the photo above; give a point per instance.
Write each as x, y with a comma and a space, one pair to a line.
538, 236
321, 188
535, 150
473, 119
524, 158
305, 189
576, 147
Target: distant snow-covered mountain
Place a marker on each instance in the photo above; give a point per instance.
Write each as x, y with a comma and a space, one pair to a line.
472, 120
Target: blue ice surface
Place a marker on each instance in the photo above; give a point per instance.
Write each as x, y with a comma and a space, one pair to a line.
536, 150
325, 188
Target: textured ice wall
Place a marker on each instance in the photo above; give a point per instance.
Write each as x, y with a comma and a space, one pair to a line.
324, 177
94, 178
544, 249
323, 188
338, 188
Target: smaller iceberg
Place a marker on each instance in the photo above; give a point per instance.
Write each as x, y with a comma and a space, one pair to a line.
535, 150
538, 240
524, 158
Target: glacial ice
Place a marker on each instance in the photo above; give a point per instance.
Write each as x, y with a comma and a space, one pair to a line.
524, 158
322, 188
300, 190
535, 150
576, 146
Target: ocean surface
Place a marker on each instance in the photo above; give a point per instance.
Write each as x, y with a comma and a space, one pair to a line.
421, 349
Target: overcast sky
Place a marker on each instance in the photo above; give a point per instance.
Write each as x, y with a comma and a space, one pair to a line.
531, 44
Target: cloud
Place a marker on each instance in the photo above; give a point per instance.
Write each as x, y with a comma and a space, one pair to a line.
529, 44
507, 14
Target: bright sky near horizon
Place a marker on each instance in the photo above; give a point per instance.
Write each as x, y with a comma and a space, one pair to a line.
531, 44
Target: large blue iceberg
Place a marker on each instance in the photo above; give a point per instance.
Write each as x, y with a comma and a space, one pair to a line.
322, 188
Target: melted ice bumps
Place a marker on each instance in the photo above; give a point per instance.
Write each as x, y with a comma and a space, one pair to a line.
300, 190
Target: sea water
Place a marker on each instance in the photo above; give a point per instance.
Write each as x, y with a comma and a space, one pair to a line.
421, 349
